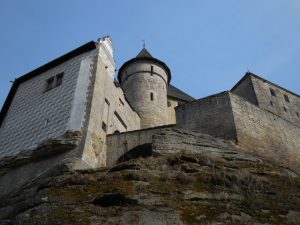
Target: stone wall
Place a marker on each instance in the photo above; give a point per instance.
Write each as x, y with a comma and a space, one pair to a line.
36, 114
266, 134
211, 115
231, 117
287, 109
108, 111
119, 144
172, 104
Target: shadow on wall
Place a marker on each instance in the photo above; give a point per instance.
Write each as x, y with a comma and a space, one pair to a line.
144, 150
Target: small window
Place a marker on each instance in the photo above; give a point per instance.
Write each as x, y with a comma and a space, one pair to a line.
286, 98
59, 79
271, 103
104, 126
297, 114
272, 91
116, 83
284, 109
151, 70
169, 104
121, 102
151, 96
107, 102
50, 84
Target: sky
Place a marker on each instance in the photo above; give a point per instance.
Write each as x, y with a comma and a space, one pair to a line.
207, 44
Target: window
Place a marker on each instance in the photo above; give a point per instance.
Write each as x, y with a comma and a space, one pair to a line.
297, 114
54, 81
50, 83
59, 79
120, 120
116, 83
272, 91
121, 102
284, 109
151, 70
151, 96
271, 103
286, 98
169, 104
104, 126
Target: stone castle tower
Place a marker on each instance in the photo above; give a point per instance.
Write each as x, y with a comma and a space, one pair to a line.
145, 81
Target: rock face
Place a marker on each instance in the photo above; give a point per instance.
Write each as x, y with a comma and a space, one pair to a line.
189, 179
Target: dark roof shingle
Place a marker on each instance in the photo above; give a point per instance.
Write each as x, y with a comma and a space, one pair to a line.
175, 93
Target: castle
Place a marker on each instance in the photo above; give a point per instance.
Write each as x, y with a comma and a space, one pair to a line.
77, 94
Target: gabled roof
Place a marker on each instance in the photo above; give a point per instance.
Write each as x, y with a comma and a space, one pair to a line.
249, 74
78, 51
144, 53
174, 92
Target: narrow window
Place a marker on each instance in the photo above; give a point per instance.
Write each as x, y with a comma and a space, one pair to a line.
107, 102
286, 98
169, 104
59, 79
271, 103
121, 102
104, 126
284, 109
120, 120
151, 96
272, 92
297, 114
50, 84
151, 70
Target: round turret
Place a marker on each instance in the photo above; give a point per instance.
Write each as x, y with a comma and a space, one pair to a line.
145, 81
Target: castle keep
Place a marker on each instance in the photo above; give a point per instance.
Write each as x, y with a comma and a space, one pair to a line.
76, 97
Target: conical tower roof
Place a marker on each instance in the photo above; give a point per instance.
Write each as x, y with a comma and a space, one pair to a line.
143, 56
144, 53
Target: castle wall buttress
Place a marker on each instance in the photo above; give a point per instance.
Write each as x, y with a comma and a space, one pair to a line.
266, 134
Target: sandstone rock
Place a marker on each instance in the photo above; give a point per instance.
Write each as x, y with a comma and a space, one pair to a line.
204, 181
44, 150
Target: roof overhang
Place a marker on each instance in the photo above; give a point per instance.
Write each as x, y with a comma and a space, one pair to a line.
142, 59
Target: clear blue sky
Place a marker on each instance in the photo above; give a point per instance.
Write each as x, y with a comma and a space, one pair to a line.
208, 44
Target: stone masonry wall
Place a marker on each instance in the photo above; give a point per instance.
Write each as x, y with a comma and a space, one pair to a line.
36, 114
266, 134
289, 110
108, 109
211, 115
172, 104
119, 144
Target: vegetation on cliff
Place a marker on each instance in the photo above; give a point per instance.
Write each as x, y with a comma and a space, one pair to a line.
172, 188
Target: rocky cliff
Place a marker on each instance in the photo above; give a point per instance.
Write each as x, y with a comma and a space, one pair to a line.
189, 178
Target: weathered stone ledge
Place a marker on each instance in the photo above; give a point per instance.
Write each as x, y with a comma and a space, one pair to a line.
45, 149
